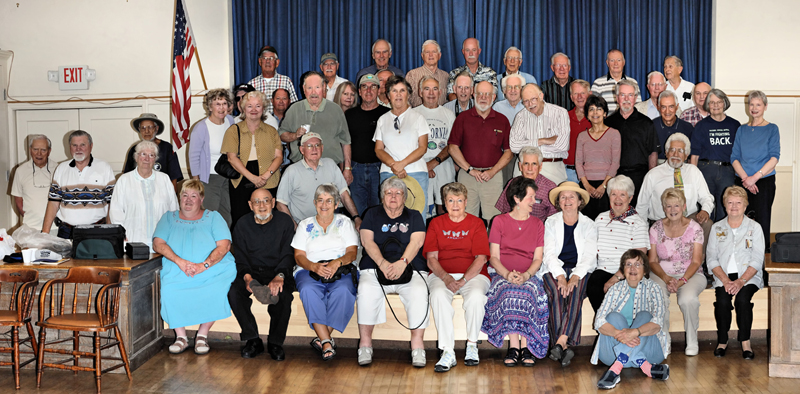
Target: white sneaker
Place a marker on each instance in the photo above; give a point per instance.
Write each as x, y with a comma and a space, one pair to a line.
472, 354
447, 361
418, 358
364, 356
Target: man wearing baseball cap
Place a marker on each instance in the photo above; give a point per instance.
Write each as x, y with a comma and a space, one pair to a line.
329, 65
269, 80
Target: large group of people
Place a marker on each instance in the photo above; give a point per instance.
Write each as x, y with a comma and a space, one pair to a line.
535, 196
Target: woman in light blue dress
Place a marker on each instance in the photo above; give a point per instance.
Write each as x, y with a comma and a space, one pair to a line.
197, 268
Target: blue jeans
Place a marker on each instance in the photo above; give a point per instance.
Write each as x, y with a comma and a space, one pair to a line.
366, 185
718, 178
572, 176
421, 177
649, 347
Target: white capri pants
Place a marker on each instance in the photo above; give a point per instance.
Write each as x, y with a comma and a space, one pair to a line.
474, 294
372, 306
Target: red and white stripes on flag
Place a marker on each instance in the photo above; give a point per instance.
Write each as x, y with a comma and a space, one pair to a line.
183, 48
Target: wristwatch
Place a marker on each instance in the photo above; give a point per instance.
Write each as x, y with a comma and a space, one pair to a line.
205, 265
469, 169
438, 159
280, 275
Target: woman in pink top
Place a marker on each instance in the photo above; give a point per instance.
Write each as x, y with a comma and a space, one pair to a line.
597, 153
676, 255
517, 305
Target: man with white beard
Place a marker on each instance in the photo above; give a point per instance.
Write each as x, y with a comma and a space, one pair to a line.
441, 170
81, 188
675, 172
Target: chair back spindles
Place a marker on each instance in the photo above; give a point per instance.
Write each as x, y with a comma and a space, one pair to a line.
22, 284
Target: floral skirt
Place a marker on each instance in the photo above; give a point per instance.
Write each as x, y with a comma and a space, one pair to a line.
517, 309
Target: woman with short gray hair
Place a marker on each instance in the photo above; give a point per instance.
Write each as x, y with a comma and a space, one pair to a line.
712, 153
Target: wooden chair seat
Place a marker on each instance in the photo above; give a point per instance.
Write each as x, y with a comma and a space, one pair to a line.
23, 293
76, 304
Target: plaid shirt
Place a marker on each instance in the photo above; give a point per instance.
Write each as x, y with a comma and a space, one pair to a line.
483, 73
543, 207
278, 81
692, 115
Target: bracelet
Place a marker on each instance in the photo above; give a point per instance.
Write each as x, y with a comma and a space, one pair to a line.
683, 279
639, 331
348, 168
619, 279
760, 172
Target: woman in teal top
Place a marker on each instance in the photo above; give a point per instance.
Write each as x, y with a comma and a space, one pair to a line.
197, 268
756, 151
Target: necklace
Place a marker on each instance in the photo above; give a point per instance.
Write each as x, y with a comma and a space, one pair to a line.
752, 128
518, 222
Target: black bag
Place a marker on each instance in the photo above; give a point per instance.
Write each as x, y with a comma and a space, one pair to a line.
341, 271
392, 250
98, 241
786, 248
223, 167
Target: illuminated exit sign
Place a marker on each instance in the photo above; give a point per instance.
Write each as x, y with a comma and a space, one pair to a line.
73, 78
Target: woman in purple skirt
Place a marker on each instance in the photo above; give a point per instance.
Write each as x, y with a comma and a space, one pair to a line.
517, 305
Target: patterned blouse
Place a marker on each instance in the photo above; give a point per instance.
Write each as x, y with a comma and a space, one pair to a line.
675, 254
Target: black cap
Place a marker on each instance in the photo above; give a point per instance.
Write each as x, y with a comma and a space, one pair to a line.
267, 48
244, 87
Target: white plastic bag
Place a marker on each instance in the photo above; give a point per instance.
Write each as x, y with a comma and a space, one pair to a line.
6, 244
27, 237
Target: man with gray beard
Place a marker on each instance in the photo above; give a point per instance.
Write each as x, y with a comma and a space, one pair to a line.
265, 270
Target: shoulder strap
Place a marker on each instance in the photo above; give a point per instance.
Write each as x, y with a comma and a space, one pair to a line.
239, 145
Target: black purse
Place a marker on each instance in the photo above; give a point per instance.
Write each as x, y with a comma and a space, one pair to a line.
394, 254
341, 271
223, 167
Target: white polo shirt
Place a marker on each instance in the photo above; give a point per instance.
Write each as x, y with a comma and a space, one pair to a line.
83, 195
33, 185
684, 101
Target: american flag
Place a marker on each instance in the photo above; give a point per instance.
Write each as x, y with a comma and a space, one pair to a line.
183, 48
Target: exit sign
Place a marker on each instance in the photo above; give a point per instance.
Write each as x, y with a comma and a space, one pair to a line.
73, 78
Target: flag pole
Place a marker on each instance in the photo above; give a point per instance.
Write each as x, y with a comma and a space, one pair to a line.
171, 73
200, 65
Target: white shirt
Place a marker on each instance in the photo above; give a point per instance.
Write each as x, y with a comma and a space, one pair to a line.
684, 87
324, 245
215, 135
400, 144
585, 242
138, 204
440, 122
95, 184
332, 90
528, 128
33, 184
662, 178
732, 268
615, 238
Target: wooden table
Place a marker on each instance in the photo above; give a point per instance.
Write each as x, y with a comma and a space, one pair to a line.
140, 301
784, 322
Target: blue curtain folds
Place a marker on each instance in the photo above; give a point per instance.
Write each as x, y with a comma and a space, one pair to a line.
645, 30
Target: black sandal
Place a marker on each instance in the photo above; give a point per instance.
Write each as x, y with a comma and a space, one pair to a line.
513, 356
526, 358
327, 354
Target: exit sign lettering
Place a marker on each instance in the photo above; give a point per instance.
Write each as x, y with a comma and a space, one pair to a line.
72, 78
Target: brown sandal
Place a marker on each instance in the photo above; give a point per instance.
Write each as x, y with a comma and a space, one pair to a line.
179, 346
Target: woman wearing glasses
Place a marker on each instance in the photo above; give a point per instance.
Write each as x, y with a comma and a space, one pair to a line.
401, 136
254, 150
149, 128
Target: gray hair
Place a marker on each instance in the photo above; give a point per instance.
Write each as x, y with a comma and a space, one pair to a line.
626, 82
425, 79
679, 137
531, 150
622, 183
515, 75
677, 60
475, 87
654, 73
142, 146
80, 133
329, 189
466, 73
582, 83
755, 94
720, 95
424, 44
668, 93
465, 40
379, 40
393, 183
261, 97
34, 137
615, 50
512, 48
557, 54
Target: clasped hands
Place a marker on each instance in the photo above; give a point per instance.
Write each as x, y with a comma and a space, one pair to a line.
327, 269
189, 268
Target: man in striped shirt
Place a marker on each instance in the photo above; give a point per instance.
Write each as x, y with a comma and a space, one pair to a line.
556, 89
269, 80
604, 86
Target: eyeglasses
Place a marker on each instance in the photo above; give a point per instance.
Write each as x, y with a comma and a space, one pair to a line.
269, 58
483, 95
395, 193
325, 201
673, 150
513, 87
329, 64
369, 87
148, 128
145, 154
655, 85
530, 101
397, 124
635, 265
259, 202
312, 146
514, 58
715, 103
564, 66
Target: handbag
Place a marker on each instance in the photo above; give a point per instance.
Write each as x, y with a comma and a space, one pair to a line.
786, 248
396, 254
98, 241
223, 167
341, 271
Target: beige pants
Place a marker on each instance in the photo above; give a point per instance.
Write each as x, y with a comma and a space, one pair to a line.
689, 302
481, 196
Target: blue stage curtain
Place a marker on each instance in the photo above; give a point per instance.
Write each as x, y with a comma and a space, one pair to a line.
645, 30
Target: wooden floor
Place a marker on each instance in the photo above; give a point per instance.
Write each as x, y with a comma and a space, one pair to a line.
224, 371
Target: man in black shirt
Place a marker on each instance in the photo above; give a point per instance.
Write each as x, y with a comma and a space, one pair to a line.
264, 263
361, 121
639, 150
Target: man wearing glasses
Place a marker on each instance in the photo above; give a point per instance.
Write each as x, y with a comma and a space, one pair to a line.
32, 182
512, 86
431, 53
381, 53
269, 80
329, 65
605, 85
299, 182
556, 89
545, 126
512, 60
656, 83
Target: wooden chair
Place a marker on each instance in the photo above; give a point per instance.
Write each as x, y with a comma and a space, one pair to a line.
23, 284
74, 304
